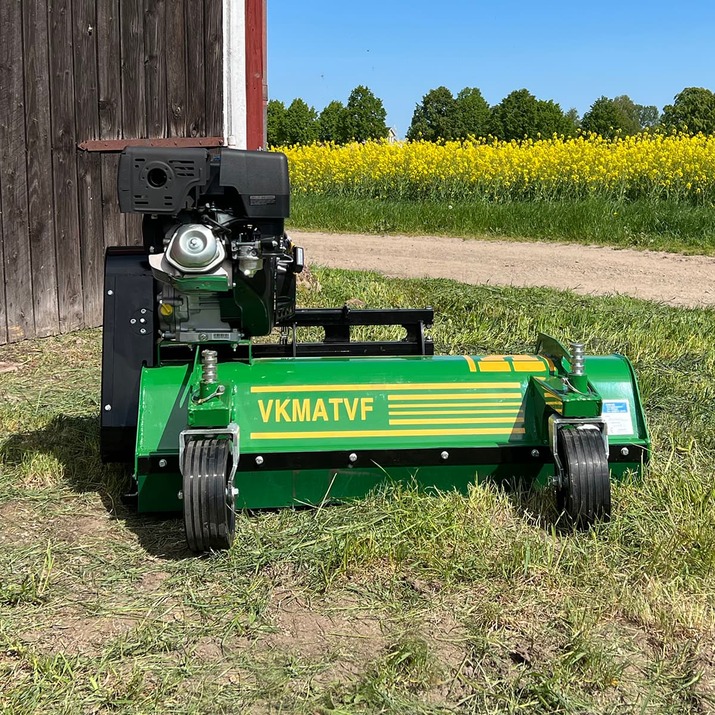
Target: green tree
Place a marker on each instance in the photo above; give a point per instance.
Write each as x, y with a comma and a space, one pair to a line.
329, 122
692, 111
300, 123
550, 120
604, 118
520, 114
472, 114
435, 117
364, 117
515, 116
619, 116
648, 116
275, 123
630, 114
573, 119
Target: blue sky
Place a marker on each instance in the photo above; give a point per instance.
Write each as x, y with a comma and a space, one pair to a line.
569, 52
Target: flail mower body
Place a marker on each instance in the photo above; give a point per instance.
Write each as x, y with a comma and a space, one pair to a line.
215, 421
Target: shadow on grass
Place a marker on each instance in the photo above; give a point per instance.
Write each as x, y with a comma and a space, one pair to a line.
74, 443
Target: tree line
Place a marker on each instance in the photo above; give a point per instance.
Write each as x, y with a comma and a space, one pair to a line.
443, 116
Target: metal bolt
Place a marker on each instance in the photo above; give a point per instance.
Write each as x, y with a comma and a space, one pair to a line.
133, 321
162, 463
110, 292
142, 320
234, 492
107, 408
445, 454
203, 336
624, 451
143, 331
259, 460
352, 457
180, 495
534, 453
578, 354
143, 311
194, 243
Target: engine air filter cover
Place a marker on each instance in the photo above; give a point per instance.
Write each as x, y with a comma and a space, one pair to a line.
194, 248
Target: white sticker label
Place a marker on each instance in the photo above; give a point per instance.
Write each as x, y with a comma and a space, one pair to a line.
617, 414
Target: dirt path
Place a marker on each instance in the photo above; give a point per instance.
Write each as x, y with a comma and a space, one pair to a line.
664, 277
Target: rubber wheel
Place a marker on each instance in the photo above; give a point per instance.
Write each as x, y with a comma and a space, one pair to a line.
585, 495
209, 516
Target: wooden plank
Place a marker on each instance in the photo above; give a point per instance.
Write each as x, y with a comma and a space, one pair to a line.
13, 176
176, 69
64, 141
213, 67
134, 229
109, 69
3, 284
41, 213
89, 166
110, 115
155, 65
115, 229
133, 76
195, 79
133, 80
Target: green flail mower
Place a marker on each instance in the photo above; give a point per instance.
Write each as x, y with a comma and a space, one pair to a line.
214, 421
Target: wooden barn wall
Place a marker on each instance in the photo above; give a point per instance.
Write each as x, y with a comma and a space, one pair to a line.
77, 70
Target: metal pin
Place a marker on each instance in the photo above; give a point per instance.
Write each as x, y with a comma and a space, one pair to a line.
209, 360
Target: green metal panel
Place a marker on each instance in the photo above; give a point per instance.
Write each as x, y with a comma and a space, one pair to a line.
292, 406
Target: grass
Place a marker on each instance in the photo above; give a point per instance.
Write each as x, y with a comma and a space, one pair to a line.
400, 603
657, 225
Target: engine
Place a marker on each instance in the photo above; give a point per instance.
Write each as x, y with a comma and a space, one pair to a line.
213, 229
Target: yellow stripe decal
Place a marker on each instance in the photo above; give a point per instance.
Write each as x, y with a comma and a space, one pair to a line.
408, 413
509, 402
494, 366
529, 366
459, 396
370, 387
470, 362
389, 433
457, 421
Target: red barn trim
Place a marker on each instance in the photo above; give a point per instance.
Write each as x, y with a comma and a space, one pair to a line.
256, 87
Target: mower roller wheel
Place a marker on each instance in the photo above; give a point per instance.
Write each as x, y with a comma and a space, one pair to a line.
584, 496
209, 516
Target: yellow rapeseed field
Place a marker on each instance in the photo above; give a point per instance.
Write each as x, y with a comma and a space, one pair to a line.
643, 166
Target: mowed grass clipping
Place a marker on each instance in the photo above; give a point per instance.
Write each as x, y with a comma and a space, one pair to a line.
399, 603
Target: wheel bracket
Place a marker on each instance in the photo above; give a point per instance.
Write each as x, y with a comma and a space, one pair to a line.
232, 430
558, 423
